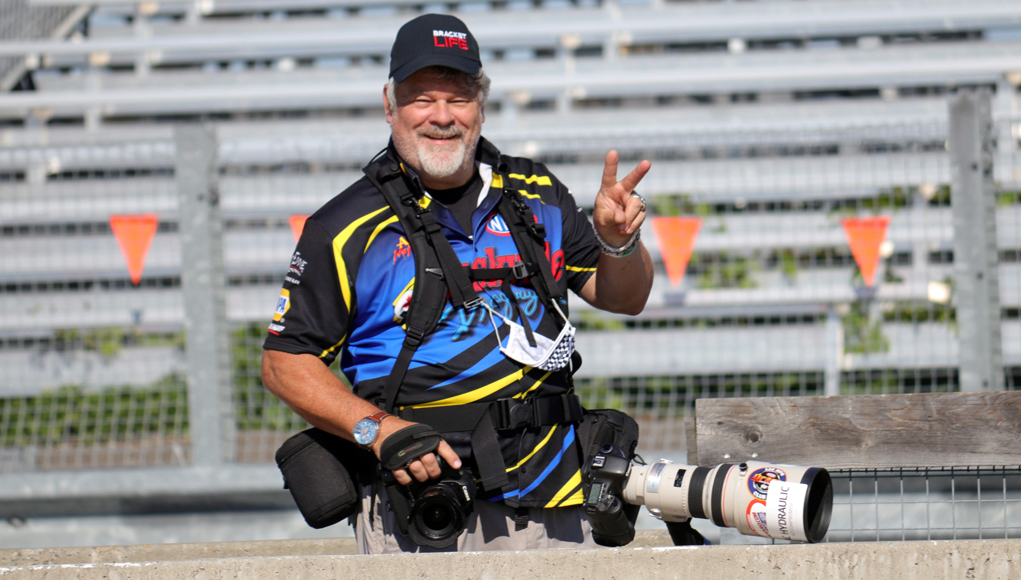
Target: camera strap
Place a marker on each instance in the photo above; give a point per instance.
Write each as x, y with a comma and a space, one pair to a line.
399, 449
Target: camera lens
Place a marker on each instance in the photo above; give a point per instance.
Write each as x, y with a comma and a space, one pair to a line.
436, 517
440, 509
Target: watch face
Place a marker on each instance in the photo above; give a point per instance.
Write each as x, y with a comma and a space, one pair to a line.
365, 431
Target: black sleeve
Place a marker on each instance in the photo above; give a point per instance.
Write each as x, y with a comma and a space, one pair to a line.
581, 251
312, 311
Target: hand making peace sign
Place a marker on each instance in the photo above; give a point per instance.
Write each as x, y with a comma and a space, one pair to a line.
618, 213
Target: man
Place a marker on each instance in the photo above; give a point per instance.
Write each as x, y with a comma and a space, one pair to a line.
352, 273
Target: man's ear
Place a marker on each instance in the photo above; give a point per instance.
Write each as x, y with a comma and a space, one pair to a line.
386, 107
482, 113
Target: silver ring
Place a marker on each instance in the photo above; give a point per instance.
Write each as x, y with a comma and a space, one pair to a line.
640, 198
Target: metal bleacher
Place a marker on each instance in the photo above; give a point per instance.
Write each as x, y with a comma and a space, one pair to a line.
571, 80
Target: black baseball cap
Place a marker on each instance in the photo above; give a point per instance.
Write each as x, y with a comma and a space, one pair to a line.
433, 40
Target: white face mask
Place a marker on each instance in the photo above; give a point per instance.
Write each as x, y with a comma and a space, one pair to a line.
547, 354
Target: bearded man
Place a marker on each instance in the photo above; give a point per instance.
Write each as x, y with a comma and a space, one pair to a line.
502, 341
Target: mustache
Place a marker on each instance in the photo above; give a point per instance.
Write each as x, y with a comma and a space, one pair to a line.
443, 132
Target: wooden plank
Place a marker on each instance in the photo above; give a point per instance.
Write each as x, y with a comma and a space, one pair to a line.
864, 431
691, 436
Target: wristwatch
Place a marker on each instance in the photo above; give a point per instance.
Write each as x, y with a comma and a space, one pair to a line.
365, 430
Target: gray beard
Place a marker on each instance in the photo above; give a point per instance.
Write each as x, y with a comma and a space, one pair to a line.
437, 164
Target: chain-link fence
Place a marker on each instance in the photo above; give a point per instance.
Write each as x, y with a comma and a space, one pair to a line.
778, 297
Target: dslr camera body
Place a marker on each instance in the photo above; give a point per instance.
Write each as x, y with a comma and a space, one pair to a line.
432, 513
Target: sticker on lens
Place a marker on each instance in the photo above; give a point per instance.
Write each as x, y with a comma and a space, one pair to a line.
758, 481
756, 516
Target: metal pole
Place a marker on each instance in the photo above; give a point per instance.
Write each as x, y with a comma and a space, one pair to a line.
211, 420
834, 352
976, 260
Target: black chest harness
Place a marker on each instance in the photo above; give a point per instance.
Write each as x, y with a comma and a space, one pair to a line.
439, 273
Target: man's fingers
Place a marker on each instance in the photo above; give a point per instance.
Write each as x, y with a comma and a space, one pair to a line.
418, 470
631, 180
620, 218
421, 468
427, 467
610, 170
402, 476
635, 215
631, 217
448, 455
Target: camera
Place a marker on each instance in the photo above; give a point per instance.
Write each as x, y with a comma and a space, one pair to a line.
433, 513
611, 519
788, 502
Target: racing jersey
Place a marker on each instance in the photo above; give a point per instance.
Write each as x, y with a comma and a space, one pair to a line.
351, 279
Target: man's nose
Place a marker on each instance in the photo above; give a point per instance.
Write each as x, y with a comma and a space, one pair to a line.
441, 114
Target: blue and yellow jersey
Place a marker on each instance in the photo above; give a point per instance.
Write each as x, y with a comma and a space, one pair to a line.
351, 278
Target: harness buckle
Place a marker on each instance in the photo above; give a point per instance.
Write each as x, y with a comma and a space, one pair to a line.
513, 414
538, 231
414, 337
473, 303
519, 271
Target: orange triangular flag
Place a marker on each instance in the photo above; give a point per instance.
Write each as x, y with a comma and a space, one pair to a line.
134, 235
297, 225
676, 238
865, 235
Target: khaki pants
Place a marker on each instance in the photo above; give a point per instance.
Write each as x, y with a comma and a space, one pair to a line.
490, 527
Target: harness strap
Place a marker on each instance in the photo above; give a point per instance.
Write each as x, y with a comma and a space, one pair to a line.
488, 456
400, 369
519, 271
506, 414
530, 237
460, 286
485, 419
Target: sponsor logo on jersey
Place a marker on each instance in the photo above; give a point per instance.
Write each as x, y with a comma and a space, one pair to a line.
758, 481
403, 249
276, 328
401, 305
283, 305
497, 226
297, 265
449, 39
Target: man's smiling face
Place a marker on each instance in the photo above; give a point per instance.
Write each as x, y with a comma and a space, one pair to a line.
436, 127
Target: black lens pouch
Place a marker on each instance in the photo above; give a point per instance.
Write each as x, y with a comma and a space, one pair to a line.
321, 471
600, 427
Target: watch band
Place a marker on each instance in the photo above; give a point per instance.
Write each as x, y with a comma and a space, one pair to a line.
369, 423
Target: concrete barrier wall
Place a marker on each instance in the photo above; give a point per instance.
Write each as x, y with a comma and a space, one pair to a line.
979, 559
197, 551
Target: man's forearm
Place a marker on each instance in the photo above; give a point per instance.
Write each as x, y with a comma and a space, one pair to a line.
308, 387
319, 397
622, 285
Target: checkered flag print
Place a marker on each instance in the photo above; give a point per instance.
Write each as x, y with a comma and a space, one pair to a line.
561, 355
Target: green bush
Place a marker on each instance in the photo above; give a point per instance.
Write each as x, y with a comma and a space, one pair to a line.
70, 413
